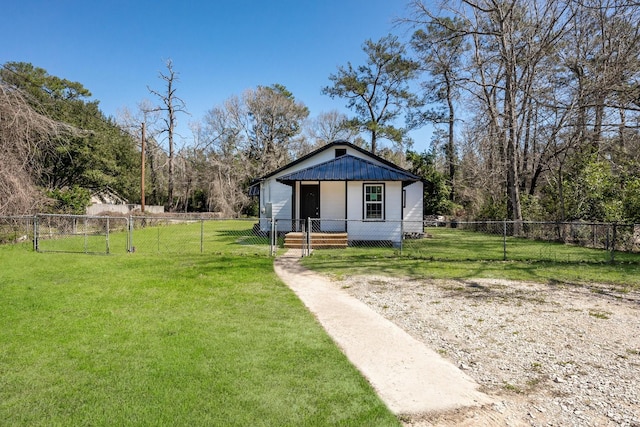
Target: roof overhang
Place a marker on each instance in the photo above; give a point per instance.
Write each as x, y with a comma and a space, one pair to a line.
254, 189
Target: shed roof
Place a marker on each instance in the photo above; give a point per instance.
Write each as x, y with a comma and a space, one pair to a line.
348, 168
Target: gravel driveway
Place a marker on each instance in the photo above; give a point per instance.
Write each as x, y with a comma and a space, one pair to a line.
551, 355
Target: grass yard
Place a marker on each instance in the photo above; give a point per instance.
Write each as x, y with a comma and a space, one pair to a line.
452, 253
456, 244
195, 340
166, 236
210, 236
171, 336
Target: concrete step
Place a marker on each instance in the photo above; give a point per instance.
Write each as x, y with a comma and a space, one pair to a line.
296, 240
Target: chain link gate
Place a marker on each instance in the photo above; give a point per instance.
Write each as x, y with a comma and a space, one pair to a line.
80, 234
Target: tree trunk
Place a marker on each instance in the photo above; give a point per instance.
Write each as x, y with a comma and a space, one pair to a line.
450, 142
373, 141
514, 209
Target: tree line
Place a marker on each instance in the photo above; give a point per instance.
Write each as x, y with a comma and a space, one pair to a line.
535, 106
56, 146
540, 100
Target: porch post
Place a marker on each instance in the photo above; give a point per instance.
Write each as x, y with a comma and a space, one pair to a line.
309, 230
346, 207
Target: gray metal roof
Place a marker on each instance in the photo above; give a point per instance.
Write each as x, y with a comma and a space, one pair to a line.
349, 168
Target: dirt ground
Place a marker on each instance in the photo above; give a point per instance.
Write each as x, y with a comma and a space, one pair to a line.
548, 354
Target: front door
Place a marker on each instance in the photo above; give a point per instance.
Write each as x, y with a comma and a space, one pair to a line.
309, 201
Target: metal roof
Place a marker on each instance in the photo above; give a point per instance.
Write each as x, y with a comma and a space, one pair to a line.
348, 168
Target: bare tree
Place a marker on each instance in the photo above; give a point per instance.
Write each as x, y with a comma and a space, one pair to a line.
603, 55
170, 105
441, 49
550, 98
229, 166
509, 44
328, 127
246, 137
24, 135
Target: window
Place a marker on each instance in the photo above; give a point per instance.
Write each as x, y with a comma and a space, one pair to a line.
340, 152
373, 201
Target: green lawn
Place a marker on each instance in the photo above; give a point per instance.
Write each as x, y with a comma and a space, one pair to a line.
452, 253
164, 236
455, 244
138, 339
159, 337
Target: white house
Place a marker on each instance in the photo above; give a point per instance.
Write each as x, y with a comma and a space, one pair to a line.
349, 189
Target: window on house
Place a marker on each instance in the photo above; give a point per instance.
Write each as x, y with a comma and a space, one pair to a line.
340, 152
374, 201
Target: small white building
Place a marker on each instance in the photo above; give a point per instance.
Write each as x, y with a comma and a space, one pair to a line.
108, 201
349, 189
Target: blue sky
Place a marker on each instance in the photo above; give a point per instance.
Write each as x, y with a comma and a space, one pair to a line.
219, 48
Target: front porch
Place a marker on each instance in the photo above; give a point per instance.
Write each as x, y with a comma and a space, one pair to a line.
297, 240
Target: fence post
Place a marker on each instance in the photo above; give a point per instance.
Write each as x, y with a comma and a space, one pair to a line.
36, 230
303, 230
504, 240
107, 235
309, 230
201, 235
273, 237
130, 234
84, 232
613, 243
401, 235
272, 232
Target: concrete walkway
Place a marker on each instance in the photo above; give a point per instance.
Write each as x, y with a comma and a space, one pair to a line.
408, 376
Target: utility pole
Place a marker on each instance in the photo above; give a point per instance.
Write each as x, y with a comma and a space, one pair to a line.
143, 157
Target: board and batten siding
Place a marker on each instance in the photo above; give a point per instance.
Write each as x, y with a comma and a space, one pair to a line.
333, 205
278, 195
389, 229
413, 210
325, 156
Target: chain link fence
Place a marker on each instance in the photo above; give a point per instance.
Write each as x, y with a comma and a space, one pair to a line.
452, 240
175, 234
185, 234
538, 241
475, 240
17, 230
80, 234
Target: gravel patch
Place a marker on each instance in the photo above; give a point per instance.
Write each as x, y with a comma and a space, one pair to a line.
551, 355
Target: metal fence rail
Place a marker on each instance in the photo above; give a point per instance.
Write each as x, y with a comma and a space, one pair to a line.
453, 240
